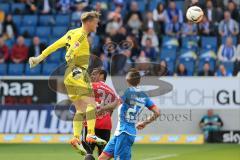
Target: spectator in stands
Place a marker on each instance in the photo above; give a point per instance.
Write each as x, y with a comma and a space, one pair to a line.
3, 51
134, 24
232, 8
2, 17
159, 16
206, 28
114, 24
9, 28
237, 2
150, 34
76, 15
210, 122
211, 13
189, 29
181, 70
142, 62
228, 26
173, 28
31, 6
117, 12
64, 6
148, 21
149, 50
19, 51
206, 70
227, 51
36, 48
173, 11
237, 61
135, 48
103, 20
120, 35
133, 11
46, 6
161, 69
222, 72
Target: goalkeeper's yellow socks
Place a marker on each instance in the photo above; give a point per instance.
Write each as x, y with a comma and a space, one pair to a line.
91, 118
77, 124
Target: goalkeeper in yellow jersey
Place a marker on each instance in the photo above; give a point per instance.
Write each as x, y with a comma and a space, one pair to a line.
76, 79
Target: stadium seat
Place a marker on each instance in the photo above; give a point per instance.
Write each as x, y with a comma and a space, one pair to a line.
189, 63
211, 61
141, 5
168, 52
43, 31
62, 20
18, 8
27, 30
190, 42
15, 69
44, 40
48, 68
17, 19
5, 7
33, 71
208, 53
188, 53
28, 41
52, 40
228, 65
55, 57
58, 31
46, 20
170, 41
9, 43
153, 4
209, 43
3, 69
30, 20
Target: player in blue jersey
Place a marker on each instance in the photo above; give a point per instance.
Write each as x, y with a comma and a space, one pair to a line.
133, 102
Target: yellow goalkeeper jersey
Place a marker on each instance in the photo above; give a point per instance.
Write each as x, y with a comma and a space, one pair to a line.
77, 46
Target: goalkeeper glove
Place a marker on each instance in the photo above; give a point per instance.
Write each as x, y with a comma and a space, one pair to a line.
34, 61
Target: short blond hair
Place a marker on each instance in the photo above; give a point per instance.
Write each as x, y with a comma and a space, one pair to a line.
88, 16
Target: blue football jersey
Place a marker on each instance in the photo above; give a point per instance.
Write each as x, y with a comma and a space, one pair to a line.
133, 102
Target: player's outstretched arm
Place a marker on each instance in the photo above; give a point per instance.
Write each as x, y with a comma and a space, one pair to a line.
156, 114
109, 107
34, 61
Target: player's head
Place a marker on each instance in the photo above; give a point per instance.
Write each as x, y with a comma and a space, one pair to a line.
90, 20
133, 77
98, 74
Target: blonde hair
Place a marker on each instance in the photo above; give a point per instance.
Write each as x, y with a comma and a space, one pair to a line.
88, 16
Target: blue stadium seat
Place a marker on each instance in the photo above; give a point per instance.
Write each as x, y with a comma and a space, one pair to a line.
43, 31
9, 43
189, 63
153, 4
62, 20
15, 69
211, 61
209, 43
188, 53
55, 57
5, 7
3, 69
180, 5
207, 53
168, 52
46, 20
58, 31
33, 71
48, 68
44, 40
228, 65
223, 40
27, 30
17, 19
170, 41
30, 20
190, 42
18, 8
141, 5
52, 40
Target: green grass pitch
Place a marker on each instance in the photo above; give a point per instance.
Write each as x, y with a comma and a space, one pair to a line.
139, 152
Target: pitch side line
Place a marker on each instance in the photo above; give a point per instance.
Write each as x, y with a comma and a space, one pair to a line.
162, 157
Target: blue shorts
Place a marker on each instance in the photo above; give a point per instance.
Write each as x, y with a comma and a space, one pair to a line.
119, 147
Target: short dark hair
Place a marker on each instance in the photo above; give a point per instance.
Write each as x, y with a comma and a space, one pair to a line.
133, 77
104, 74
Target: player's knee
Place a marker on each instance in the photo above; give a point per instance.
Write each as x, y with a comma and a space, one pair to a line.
89, 157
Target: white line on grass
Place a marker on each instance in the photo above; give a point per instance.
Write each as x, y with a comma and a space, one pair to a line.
162, 157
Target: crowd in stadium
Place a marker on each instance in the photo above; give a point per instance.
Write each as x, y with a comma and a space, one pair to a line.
158, 30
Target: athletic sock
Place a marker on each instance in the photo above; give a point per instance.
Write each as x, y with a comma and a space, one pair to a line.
77, 124
91, 118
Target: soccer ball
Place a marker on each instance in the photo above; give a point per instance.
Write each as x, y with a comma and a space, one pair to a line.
194, 14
